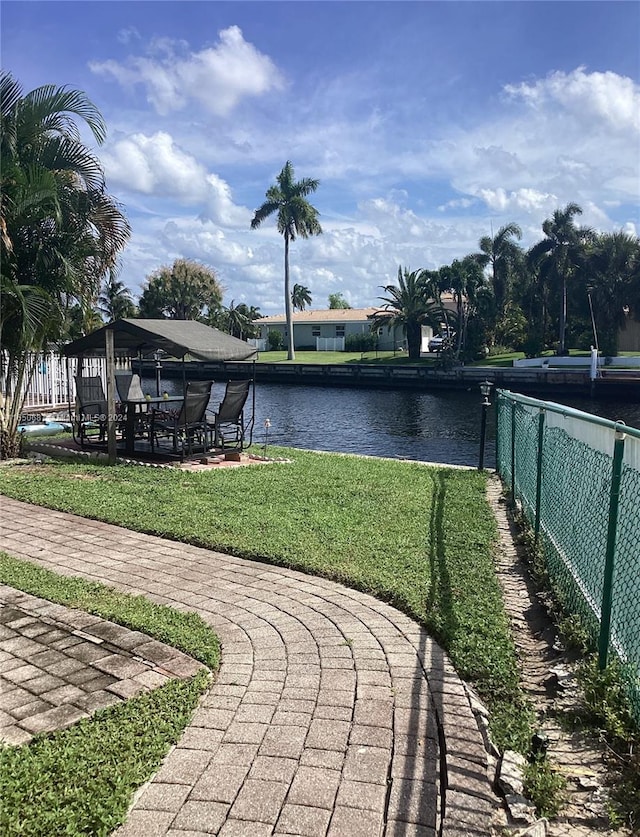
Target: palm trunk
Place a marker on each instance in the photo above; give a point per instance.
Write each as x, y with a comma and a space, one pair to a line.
563, 316
291, 355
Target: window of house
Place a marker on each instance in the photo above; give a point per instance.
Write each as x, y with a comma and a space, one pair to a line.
315, 331
339, 331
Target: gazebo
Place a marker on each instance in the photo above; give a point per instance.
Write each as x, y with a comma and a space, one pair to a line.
186, 340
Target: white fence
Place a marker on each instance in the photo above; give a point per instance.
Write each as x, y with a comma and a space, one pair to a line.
329, 344
259, 343
49, 386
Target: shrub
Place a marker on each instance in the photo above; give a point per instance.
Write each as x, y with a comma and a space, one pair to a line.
275, 339
360, 342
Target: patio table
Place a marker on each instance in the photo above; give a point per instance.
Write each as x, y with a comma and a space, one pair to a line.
131, 405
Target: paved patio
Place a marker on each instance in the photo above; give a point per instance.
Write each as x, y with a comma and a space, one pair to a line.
333, 713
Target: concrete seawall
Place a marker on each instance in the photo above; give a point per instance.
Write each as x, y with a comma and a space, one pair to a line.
533, 381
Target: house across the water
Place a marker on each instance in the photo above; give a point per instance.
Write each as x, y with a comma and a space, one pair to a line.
328, 329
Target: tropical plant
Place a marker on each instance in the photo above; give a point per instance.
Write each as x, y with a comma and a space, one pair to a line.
501, 254
60, 232
115, 301
464, 279
237, 320
274, 340
409, 305
300, 297
295, 217
185, 291
336, 300
560, 256
613, 282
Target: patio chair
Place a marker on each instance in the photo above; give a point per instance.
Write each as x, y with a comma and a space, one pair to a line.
187, 429
90, 420
228, 425
129, 386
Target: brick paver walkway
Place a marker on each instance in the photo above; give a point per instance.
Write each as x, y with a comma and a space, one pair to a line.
333, 713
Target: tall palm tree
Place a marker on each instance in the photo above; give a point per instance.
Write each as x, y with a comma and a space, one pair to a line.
560, 255
501, 253
300, 297
115, 300
60, 232
409, 305
295, 217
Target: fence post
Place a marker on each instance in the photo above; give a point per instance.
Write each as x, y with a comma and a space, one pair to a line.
513, 453
536, 529
607, 585
497, 422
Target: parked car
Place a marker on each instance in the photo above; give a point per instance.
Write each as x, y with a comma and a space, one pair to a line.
438, 343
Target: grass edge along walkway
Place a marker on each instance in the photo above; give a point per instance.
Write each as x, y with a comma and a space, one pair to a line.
81, 780
421, 538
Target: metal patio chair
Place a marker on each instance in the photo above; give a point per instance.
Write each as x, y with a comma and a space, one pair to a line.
228, 424
187, 429
89, 424
129, 387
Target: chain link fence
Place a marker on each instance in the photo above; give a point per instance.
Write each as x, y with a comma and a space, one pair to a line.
577, 478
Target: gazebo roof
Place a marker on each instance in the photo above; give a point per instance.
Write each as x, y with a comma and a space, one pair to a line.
177, 338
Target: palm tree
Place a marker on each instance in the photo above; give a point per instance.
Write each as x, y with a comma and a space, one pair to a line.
295, 217
501, 253
560, 255
613, 269
115, 300
409, 305
463, 278
300, 297
237, 321
60, 232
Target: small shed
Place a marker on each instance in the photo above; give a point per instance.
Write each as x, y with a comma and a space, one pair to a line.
181, 339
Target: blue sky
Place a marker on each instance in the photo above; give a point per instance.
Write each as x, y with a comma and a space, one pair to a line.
428, 124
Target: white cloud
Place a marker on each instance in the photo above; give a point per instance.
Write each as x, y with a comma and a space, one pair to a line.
605, 97
155, 165
216, 77
529, 200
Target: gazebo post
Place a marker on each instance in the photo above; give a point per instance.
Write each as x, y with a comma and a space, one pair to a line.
111, 400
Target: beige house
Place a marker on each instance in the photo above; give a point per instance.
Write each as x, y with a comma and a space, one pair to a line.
327, 329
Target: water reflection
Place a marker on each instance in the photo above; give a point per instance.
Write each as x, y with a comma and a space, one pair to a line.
439, 427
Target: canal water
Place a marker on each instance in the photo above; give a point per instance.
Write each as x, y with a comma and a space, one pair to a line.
441, 427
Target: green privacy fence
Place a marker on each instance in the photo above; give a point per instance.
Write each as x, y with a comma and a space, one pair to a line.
577, 478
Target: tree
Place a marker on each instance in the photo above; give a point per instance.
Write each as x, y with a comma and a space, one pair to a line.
409, 305
613, 270
60, 232
300, 297
237, 320
338, 301
464, 279
115, 301
295, 217
501, 254
185, 291
560, 255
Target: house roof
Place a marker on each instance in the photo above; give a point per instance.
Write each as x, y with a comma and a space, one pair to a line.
177, 338
338, 315
327, 315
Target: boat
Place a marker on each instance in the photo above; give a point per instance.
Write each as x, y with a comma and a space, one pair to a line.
45, 428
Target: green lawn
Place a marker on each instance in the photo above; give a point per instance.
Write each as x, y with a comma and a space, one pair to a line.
80, 781
341, 357
417, 536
